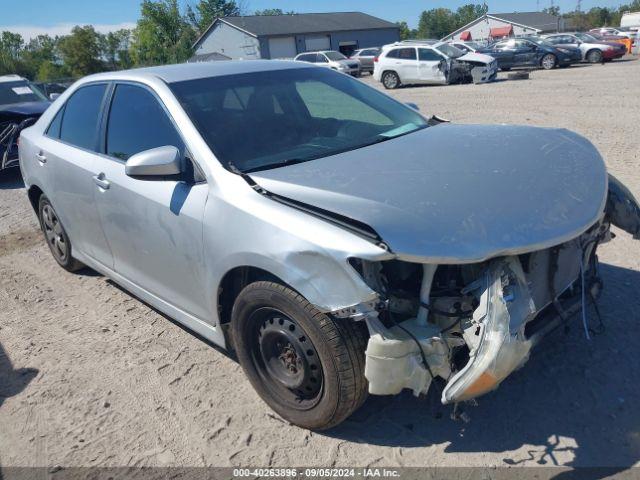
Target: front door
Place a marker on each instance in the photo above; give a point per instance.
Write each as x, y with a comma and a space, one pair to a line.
153, 225
431, 66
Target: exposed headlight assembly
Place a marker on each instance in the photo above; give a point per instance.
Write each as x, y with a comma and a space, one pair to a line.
494, 332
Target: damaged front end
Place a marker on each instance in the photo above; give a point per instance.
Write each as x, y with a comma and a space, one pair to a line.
472, 325
465, 71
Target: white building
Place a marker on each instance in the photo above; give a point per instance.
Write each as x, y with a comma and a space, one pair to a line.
494, 26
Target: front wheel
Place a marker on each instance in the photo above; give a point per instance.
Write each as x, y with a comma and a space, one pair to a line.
548, 62
594, 56
307, 366
390, 80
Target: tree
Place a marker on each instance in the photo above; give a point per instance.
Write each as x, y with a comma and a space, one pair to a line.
115, 48
162, 34
405, 31
11, 45
555, 10
468, 13
436, 23
208, 10
81, 51
273, 11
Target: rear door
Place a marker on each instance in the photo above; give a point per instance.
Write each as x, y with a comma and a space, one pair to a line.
430, 66
70, 155
525, 53
503, 52
153, 225
406, 64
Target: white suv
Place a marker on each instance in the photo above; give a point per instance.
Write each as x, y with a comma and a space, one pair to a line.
331, 59
440, 63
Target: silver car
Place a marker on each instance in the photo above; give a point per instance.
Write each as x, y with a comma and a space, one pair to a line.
338, 241
366, 57
331, 59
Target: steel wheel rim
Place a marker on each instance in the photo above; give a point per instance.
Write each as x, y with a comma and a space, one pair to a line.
286, 359
54, 234
548, 61
390, 80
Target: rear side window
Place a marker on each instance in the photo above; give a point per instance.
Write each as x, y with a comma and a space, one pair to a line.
53, 130
81, 116
393, 53
407, 53
137, 122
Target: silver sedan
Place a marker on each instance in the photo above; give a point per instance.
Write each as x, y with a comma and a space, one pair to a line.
341, 243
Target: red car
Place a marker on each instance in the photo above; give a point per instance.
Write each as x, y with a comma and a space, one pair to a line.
617, 50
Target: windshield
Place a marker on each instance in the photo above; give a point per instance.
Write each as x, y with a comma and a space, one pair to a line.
585, 37
335, 56
450, 51
255, 121
19, 91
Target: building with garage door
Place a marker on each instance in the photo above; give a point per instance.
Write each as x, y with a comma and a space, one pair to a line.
495, 26
284, 36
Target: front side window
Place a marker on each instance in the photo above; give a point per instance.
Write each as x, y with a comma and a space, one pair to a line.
19, 91
428, 55
81, 116
290, 116
321, 58
137, 122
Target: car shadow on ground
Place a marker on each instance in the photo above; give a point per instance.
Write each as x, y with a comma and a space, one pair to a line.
11, 179
585, 391
13, 381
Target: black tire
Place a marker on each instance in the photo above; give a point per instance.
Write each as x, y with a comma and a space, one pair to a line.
548, 61
283, 342
390, 80
56, 236
505, 69
594, 56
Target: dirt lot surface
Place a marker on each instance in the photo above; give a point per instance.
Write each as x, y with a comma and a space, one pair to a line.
90, 376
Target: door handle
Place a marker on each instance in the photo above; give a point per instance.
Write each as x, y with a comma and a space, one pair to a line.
41, 158
101, 181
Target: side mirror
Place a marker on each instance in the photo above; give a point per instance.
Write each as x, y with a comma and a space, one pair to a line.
53, 96
413, 105
156, 162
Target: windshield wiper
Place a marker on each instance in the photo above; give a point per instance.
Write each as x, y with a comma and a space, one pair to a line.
283, 163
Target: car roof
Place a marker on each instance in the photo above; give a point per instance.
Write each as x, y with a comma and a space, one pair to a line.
10, 78
192, 71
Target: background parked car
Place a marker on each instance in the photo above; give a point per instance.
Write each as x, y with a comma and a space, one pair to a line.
21, 104
593, 51
531, 52
366, 57
406, 63
331, 59
469, 47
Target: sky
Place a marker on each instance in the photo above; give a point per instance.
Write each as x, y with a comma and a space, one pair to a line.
33, 17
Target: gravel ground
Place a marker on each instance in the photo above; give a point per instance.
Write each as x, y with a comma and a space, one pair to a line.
90, 376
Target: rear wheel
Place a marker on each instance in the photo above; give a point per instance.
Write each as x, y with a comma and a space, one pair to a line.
390, 80
307, 366
548, 62
56, 236
594, 56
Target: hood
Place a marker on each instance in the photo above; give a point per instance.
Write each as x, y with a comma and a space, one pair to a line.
28, 109
458, 193
476, 57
